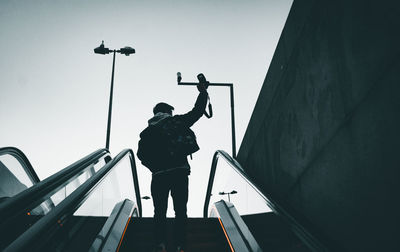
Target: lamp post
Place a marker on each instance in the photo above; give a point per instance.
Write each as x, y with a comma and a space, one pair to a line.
228, 193
104, 50
230, 85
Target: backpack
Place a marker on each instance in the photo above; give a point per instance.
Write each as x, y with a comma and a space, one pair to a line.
164, 142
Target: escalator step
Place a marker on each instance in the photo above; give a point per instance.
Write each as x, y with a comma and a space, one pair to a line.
202, 235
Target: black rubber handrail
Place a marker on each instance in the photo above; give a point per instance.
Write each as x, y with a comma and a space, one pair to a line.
45, 226
23, 160
111, 235
36, 194
299, 229
236, 230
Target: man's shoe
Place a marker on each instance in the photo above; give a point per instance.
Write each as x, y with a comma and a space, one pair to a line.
179, 249
160, 248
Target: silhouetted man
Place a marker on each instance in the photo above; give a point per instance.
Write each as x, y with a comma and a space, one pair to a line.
172, 174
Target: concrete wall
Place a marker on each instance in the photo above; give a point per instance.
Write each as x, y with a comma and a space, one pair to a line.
324, 137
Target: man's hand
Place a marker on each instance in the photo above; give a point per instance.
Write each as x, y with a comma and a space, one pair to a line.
202, 87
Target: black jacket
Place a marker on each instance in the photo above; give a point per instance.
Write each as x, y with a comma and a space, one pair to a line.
180, 164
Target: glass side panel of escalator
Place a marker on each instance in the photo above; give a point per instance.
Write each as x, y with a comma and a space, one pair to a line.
66, 190
13, 176
230, 186
19, 223
78, 231
63, 192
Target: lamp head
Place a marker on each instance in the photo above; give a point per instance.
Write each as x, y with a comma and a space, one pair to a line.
101, 49
127, 50
179, 77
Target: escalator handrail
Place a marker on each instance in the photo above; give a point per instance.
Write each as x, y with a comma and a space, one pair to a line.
238, 234
68, 206
112, 234
23, 160
39, 192
298, 228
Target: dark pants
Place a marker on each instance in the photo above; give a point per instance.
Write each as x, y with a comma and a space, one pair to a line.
161, 185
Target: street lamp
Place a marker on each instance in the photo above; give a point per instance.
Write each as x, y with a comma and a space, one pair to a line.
228, 193
104, 50
230, 85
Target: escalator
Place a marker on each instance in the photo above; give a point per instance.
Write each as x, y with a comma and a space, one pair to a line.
222, 228
36, 199
87, 199
100, 210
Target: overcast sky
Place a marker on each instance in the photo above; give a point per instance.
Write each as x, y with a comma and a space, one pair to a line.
54, 90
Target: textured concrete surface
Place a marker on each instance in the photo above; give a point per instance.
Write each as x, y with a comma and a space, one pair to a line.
324, 135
